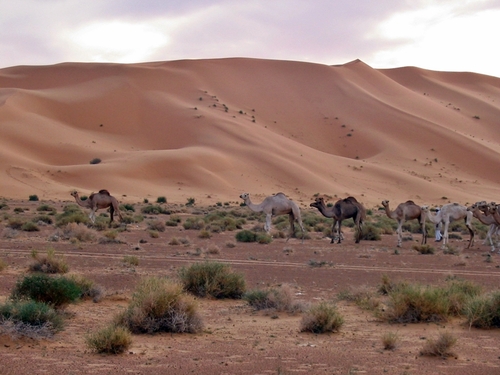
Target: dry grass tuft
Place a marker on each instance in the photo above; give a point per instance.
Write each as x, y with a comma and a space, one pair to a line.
440, 347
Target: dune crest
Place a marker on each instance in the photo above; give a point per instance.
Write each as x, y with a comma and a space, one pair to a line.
212, 129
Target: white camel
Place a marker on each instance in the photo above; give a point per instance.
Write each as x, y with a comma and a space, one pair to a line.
486, 220
273, 205
448, 213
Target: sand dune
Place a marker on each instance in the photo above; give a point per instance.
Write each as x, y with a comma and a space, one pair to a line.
211, 129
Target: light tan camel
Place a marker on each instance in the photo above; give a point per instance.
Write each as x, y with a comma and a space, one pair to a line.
486, 220
449, 213
99, 200
343, 209
274, 205
404, 212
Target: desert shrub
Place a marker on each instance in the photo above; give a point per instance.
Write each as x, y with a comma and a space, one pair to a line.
33, 198
161, 200
43, 218
424, 249
29, 226
3, 265
55, 291
49, 263
154, 209
160, 305
79, 232
19, 210
95, 161
88, 288
361, 296
15, 223
279, 299
127, 207
212, 279
483, 311
370, 232
204, 234
4, 206
156, 225
321, 318
412, 303
71, 214
113, 339
131, 260
390, 340
246, 236
29, 318
459, 292
153, 233
194, 223
173, 221
263, 238
46, 208
439, 347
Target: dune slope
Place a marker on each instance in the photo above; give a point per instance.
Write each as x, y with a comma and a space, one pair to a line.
212, 129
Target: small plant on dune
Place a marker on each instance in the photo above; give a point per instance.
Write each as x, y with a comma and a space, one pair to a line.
440, 347
29, 318
190, 202
424, 249
154, 209
46, 208
79, 232
48, 263
212, 279
33, 198
43, 218
71, 214
321, 318
390, 340
153, 233
370, 232
95, 161
161, 200
160, 305
156, 225
55, 291
15, 223
127, 207
194, 223
113, 339
263, 238
205, 234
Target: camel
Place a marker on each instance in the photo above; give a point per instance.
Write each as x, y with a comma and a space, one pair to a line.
274, 205
448, 213
99, 200
404, 212
343, 209
486, 220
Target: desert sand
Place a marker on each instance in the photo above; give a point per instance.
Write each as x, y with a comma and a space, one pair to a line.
212, 129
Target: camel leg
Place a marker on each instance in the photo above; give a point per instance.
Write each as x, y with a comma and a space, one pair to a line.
471, 232
333, 230
445, 234
340, 231
400, 235
424, 233
111, 213
267, 226
292, 227
92, 216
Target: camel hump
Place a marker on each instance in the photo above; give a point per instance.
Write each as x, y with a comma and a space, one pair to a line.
410, 202
351, 200
104, 191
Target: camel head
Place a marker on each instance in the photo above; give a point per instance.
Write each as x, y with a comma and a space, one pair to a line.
425, 209
492, 207
385, 203
319, 201
74, 193
245, 196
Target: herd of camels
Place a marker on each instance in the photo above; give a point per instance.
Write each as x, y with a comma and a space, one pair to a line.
348, 208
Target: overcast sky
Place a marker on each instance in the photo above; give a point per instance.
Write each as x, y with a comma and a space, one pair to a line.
449, 35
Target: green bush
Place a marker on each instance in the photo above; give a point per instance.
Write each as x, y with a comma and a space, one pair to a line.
95, 161
15, 223
71, 214
46, 208
29, 315
55, 291
246, 236
29, 226
321, 318
33, 197
370, 232
88, 288
161, 200
43, 218
424, 249
154, 209
212, 279
113, 339
160, 305
194, 223
279, 299
127, 207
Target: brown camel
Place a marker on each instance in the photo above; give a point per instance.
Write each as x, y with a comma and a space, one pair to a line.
486, 220
97, 201
448, 213
404, 212
343, 209
273, 205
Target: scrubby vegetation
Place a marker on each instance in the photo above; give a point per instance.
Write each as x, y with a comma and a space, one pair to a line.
321, 318
113, 339
276, 298
48, 263
212, 279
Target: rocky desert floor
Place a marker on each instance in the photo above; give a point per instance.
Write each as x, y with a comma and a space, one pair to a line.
236, 339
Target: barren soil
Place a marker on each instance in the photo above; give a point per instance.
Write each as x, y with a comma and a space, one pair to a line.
236, 339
